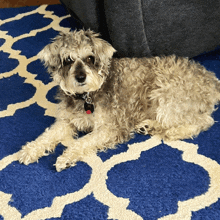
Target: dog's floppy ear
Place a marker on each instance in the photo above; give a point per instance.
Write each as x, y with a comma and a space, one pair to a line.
50, 55
102, 49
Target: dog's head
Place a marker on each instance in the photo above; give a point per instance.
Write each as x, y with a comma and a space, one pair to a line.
78, 61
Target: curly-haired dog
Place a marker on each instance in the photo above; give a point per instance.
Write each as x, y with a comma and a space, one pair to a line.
113, 98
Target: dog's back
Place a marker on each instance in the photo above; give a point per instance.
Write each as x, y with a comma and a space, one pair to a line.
176, 94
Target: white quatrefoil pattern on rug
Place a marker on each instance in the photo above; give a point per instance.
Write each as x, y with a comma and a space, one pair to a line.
142, 179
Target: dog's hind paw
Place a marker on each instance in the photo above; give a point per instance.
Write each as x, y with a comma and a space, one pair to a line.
147, 127
143, 127
142, 130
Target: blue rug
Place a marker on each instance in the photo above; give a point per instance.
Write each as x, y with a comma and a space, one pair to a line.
142, 179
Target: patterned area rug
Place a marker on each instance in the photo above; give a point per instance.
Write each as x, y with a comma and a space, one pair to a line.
142, 179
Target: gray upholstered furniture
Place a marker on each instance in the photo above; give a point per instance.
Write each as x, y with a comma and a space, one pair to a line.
152, 27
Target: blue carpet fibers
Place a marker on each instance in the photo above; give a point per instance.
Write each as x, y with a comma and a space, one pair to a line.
154, 185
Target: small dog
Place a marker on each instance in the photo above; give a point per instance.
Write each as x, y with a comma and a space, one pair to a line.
111, 98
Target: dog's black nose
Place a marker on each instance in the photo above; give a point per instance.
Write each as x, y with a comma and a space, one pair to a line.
80, 77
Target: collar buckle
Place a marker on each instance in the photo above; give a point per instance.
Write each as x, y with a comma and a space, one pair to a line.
88, 105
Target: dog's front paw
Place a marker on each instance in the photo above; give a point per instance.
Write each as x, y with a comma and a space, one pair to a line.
68, 159
64, 162
29, 153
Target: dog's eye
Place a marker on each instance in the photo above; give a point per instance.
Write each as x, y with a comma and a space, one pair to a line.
90, 60
67, 61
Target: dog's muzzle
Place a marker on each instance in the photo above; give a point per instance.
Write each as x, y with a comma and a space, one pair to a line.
80, 74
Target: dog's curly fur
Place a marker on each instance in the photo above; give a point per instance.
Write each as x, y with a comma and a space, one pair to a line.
170, 97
